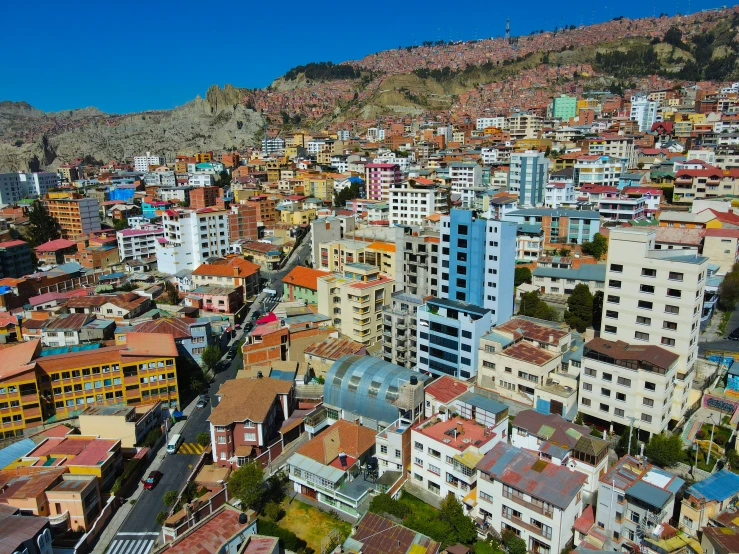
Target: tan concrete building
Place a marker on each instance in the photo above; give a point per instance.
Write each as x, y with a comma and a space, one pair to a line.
129, 424
721, 247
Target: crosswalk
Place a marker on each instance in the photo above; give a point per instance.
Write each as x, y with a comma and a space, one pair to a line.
190, 448
132, 543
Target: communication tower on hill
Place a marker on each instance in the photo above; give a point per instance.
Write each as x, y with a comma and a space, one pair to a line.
508, 30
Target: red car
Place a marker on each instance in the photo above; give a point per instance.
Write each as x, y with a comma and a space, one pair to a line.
151, 481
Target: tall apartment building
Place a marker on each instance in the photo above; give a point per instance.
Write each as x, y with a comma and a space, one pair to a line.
142, 163
524, 125
614, 146
354, 301
138, 243
242, 222
644, 112
564, 107
76, 216
484, 122
466, 180
412, 201
14, 187
655, 297
204, 197
416, 259
16, 259
528, 176
477, 262
448, 335
624, 383
379, 178
592, 169
191, 237
33, 388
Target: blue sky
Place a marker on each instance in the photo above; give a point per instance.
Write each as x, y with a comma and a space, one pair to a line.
136, 55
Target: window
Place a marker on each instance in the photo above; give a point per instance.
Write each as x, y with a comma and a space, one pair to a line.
641, 336
667, 341
605, 392
650, 386
586, 401
609, 329
648, 402
671, 325
613, 299
646, 289
591, 372
646, 418
250, 436
641, 320
672, 309
624, 382
648, 272
614, 284
611, 314
418, 446
645, 304
675, 276
604, 407
617, 268
621, 397
383, 449
618, 412
674, 293
587, 386
608, 377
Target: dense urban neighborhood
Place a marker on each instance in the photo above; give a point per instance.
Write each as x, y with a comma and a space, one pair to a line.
457, 297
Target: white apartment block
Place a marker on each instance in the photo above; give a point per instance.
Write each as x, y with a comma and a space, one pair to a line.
138, 243
644, 112
14, 187
446, 450
621, 381
273, 145
559, 193
593, 169
524, 125
655, 297
515, 492
614, 146
162, 178
142, 163
614, 207
466, 180
412, 201
491, 155
201, 179
389, 157
191, 237
485, 122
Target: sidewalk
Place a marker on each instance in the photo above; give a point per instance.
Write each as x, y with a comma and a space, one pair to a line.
116, 522
711, 333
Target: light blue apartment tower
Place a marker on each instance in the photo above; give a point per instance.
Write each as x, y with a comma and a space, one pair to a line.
477, 262
527, 176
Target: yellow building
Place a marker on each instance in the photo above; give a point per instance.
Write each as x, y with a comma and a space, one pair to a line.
242, 195
532, 144
34, 388
298, 217
587, 104
203, 157
318, 186
382, 256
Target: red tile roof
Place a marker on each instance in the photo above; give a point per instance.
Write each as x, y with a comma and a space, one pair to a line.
304, 277
446, 389
727, 233
54, 245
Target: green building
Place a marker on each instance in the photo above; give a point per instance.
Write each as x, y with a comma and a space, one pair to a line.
564, 107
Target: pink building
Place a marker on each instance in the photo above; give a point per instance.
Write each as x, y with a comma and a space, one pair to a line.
212, 298
379, 178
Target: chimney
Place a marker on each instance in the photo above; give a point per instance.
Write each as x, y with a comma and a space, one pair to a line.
356, 421
551, 339
460, 428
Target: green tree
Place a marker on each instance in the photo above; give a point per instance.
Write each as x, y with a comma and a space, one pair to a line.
348, 193
224, 178
169, 498
597, 309
674, 36
462, 526
521, 275
170, 291
41, 226
514, 544
247, 484
728, 290
597, 247
564, 252
161, 517
203, 439
120, 224
533, 306
579, 419
665, 450
211, 356
579, 314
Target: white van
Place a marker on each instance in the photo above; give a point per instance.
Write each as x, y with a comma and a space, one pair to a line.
174, 443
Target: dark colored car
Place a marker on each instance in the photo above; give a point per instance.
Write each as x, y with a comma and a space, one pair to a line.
202, 403
151, 481
255, 315
734, 335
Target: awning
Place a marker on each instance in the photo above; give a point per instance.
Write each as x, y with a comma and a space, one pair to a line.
244, 450
269, 318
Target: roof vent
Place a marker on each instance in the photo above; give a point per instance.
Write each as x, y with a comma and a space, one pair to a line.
243, 518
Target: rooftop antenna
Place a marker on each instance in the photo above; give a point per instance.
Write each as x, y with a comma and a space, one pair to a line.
508, 31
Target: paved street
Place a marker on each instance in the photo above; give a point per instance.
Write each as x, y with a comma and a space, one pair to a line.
140, 530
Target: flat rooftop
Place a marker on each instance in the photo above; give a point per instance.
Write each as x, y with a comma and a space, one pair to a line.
456, 432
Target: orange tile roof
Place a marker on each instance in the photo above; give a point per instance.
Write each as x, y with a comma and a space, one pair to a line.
19, 358
342, 436
304, 277
245, 268
251, 399
145, 344
382, 246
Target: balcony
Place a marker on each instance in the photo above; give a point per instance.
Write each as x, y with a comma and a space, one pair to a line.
60, 519
526, 504
528, 526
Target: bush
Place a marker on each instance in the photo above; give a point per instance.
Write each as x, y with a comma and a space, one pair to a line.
700, 435
384, 504
290, 540
203, 439
720, 440
161, 517
169, 498
152, 437
273, 511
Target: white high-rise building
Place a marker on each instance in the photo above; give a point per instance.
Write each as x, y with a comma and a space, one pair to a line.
412, 201
644, 112
528, 177
655, 297
191, 237
142, 163
466, 179
138, 243
17, 186
485, 122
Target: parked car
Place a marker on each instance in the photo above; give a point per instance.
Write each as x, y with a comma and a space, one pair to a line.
202, 402
151, 481
734, 335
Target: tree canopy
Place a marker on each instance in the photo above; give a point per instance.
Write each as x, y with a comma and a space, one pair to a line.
533, 306
348, 193
521, 275
597, 248
665, 450
579, 314
41, 226
728, 290
211, 356
247, 484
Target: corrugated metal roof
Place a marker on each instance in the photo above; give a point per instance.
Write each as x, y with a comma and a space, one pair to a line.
648, 494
